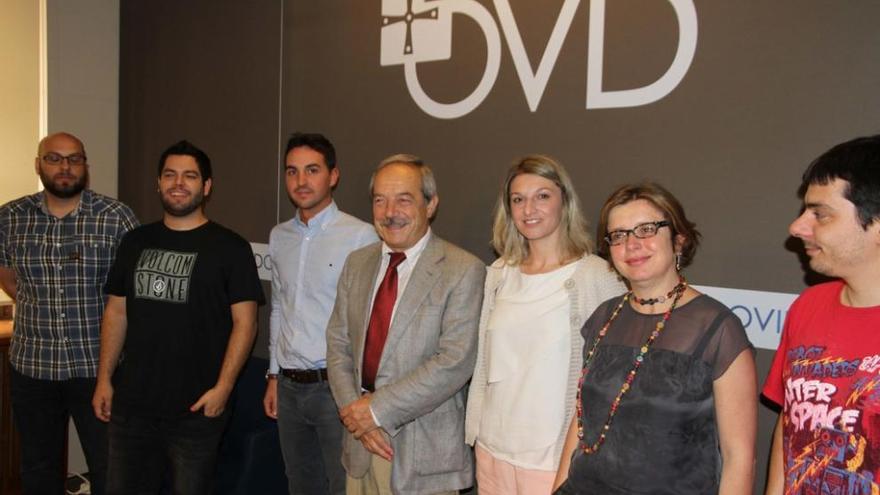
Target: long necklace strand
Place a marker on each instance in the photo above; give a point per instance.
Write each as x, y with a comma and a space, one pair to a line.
637, 363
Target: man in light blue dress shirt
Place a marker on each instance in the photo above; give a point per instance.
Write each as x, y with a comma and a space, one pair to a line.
308, 252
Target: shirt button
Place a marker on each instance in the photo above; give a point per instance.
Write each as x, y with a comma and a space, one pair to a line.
66, 340
63, 315
57, 244
61, 291
60, 267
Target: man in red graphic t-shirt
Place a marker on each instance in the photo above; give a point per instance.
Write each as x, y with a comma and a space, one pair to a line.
826, 372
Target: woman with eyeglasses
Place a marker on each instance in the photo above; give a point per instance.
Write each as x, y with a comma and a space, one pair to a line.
667, 402
538, 294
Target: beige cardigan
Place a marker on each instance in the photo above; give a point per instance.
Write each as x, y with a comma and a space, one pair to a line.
592, 283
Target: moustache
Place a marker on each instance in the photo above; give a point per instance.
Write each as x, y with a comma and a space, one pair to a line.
395, 222
300, 190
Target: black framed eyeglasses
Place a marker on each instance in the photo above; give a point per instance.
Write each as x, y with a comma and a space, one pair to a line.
73, 159
641, 231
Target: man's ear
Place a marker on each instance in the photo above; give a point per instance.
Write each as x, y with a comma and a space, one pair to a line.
432, 206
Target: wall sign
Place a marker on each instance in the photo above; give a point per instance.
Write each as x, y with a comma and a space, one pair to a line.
418, 31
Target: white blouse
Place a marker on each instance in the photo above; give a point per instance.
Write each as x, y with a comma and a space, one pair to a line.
528, 347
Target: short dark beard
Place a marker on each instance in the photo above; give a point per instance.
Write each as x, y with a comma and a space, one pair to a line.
197, 200
67, 192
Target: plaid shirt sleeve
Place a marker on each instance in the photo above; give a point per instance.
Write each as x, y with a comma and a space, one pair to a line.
4, 237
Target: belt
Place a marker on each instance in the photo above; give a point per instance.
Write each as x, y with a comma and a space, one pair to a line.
306, 376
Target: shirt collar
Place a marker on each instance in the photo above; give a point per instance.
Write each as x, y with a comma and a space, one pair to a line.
319, 221
85, 205
414, 251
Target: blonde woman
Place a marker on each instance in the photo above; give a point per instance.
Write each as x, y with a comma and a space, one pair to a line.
538, 294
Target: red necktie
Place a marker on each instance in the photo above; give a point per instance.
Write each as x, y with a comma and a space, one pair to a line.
380, 320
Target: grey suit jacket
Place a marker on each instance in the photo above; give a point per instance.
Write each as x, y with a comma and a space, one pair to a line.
429, 356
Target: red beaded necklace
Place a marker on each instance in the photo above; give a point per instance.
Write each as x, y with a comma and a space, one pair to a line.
594, 447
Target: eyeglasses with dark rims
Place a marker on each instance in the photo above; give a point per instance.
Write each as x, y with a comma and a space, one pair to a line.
73, 159
641, 231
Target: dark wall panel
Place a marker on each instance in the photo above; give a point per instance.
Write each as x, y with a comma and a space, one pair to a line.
770, 86
207, 71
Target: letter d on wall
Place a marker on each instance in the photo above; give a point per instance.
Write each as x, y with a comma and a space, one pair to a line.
686, 14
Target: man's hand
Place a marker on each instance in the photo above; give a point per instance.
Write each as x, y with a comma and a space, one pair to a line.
358, 418
376, 441
270, 399
212, 402
102, 400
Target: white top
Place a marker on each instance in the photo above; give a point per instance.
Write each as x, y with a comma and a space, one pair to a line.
591, 283
528, 346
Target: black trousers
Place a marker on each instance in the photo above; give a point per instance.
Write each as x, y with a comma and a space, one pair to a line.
41, 410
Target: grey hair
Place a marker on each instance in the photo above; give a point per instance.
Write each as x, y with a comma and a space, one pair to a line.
429, 184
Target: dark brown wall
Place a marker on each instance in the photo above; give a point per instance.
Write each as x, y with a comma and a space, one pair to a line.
771, 86
208, 72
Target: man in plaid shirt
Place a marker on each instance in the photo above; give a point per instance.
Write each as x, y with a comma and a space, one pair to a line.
56, 247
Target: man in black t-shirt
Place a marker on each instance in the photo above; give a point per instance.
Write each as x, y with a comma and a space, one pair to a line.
178, 326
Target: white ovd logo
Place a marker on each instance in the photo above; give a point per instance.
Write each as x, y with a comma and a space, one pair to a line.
416, 31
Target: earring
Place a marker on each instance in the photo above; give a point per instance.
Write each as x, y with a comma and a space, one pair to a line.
678, 262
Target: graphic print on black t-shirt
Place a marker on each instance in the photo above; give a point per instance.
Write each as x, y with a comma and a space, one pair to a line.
163, 275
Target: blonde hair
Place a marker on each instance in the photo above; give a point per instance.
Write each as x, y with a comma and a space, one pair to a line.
509, 243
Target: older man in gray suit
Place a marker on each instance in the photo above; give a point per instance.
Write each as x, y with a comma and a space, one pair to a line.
401, 344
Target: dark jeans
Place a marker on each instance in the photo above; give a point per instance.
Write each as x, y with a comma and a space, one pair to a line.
566, 489
311, 438
42, 409
142, 449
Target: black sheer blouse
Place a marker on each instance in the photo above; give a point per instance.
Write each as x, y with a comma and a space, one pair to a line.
664, 438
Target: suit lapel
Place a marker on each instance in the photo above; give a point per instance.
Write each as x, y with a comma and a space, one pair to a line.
424, 276
363, 286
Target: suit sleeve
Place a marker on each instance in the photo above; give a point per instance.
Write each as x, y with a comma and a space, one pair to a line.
448, 369
340, 361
